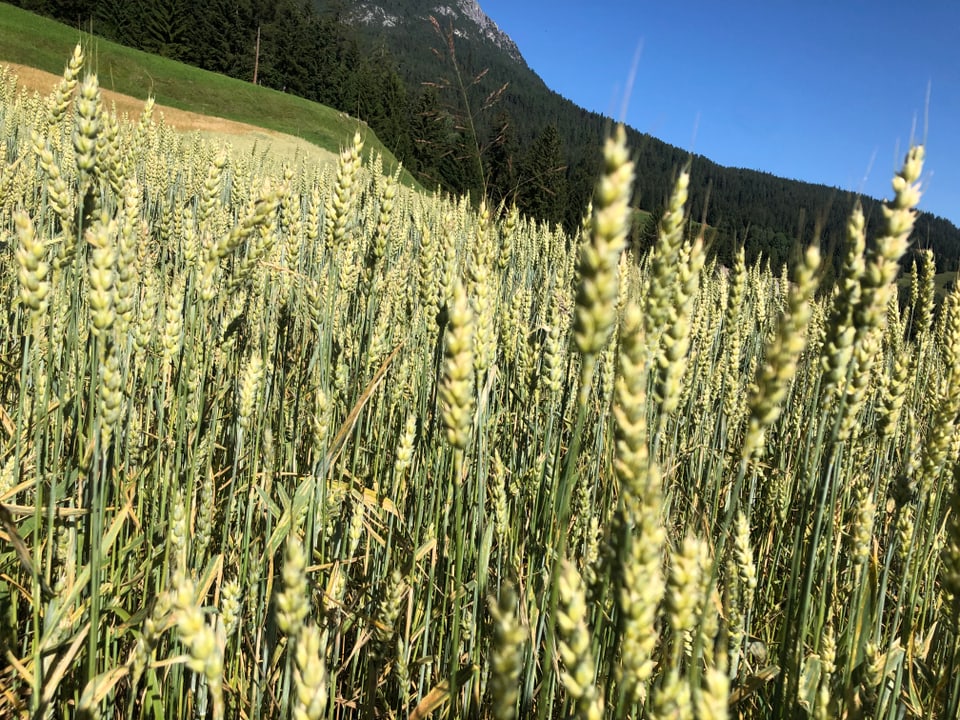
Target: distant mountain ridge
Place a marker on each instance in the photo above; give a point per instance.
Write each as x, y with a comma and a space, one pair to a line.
769, 214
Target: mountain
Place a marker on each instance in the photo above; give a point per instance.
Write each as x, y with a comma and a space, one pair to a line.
470, 20
453, 49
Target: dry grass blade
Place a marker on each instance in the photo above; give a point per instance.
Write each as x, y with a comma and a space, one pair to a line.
23, 552
98, 688
60, 669
440, 694
752, 684
25, 510
344, 432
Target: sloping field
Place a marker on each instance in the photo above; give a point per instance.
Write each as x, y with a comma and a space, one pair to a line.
29, 40
242, 137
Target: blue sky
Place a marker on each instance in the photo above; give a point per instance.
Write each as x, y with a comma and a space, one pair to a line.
827, 92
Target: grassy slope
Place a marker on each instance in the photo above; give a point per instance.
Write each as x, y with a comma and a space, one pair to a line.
31, 40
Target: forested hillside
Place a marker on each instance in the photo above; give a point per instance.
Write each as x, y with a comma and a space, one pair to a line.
466, 114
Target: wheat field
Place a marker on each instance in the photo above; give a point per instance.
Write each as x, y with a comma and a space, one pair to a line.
296, 441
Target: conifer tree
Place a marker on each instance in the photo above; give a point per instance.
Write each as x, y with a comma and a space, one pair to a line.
543, 180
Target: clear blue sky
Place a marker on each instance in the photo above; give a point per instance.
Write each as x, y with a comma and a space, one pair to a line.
822, 91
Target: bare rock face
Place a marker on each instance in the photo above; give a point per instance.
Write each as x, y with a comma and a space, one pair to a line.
472, 10
468, 19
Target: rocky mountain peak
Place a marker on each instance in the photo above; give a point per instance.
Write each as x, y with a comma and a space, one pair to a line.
468, 19
488, 28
